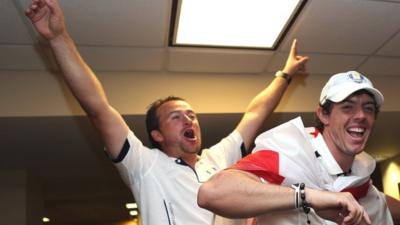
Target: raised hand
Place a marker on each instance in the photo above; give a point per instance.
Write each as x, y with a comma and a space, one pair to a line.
47, 17
295, 64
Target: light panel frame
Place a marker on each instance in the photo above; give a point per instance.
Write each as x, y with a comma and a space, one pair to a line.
180, 9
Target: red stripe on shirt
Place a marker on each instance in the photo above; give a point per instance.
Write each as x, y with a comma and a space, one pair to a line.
263, 163
359, 191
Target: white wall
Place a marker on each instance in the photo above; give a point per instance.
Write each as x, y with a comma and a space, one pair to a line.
40, 93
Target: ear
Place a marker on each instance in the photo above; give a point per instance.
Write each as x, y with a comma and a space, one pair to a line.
157, 136
322, 116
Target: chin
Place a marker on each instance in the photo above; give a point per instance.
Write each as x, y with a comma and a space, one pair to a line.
193, 150
357, 150
197, 150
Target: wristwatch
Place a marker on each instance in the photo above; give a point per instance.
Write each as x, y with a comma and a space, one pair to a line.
284, 75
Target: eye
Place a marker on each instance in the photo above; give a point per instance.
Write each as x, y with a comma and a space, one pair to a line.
175, 116
369, 108
347, 107
192, 116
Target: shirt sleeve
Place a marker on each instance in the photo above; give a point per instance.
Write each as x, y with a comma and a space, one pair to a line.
134, 159
226, 152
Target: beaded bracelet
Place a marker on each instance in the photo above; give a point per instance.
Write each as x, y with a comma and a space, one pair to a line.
300, 194
304, 204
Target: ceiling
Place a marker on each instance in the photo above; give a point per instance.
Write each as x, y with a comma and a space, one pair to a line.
42, 129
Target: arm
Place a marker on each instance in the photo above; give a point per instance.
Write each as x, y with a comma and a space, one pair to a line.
266, 101
230, 188
394, 208
48, 19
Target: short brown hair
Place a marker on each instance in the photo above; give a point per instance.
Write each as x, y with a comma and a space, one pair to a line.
152, 120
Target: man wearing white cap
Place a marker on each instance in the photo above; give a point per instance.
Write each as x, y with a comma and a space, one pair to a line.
299, 175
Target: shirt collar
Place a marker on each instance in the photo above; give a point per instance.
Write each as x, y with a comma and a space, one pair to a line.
362, 167
183, 162
325, 156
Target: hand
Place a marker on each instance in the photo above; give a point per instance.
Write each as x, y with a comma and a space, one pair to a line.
47, 17
339, 217
295, 63
340, 207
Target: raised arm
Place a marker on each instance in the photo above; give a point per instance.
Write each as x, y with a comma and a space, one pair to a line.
48, 19
230, 188
266, 101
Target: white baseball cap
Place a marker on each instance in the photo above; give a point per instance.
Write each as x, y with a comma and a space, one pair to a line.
341, 85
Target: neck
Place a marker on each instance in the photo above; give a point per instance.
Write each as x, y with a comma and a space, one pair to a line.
189, 158
344, 160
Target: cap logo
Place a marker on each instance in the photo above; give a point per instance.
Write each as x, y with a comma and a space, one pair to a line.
356, 77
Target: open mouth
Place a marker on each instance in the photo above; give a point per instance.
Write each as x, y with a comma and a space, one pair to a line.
356, 132
189, 133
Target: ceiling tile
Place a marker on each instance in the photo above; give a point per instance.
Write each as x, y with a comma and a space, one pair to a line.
320, 63
13, 24
123, 58
19, 57
345, 26
382, 66
217, 60
118, 22
392, 48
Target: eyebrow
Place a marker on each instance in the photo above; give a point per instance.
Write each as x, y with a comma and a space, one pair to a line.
178, 111
365, 103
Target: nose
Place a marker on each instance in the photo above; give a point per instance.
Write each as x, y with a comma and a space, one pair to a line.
187, 120
360, 113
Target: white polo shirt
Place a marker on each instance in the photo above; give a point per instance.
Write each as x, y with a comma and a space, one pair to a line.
290, 154
373, 201
165, 188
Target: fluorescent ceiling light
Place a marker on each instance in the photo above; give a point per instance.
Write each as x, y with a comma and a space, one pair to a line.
232, 23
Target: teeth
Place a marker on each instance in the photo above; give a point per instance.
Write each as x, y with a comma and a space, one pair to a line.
357, 129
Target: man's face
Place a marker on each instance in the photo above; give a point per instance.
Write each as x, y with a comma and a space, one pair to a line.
179, 128
349, 125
